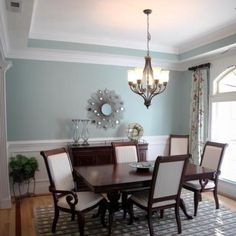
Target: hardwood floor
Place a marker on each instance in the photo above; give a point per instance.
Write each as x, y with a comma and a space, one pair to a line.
9, 221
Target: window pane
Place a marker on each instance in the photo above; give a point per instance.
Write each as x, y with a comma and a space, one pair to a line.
224, 130
228, 83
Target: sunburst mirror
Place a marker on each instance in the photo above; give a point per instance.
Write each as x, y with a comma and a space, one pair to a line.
105, 109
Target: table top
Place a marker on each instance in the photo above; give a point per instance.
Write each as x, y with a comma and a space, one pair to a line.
114, 177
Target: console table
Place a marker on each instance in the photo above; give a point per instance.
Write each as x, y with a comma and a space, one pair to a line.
98, 154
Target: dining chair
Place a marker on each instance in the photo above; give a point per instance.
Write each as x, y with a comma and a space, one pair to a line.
126, 152
62, 187
166, 185
178, 144
212, 157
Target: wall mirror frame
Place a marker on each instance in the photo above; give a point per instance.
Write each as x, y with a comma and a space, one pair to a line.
105, 109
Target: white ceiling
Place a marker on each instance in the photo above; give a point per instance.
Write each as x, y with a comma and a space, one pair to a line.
176, 26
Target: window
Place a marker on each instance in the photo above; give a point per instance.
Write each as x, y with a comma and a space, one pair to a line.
223, 127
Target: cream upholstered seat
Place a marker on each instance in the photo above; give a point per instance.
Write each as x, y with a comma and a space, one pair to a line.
178, 144
165, 189
62, 187
211, 158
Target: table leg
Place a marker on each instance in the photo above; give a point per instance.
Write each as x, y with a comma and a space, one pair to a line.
114, 206
183, 208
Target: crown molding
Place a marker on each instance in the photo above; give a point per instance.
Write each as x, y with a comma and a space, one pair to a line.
87, 57
178, 62
221, 33
101, 42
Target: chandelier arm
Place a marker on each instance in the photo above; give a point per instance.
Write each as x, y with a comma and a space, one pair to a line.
159, 92
135, 90
154, 88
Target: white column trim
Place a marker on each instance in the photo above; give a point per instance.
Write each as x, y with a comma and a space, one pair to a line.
5, 196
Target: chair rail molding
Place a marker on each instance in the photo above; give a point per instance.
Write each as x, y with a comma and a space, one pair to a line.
5, 197
157, 145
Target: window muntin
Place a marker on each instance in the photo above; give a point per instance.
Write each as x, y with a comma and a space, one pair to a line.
226, 81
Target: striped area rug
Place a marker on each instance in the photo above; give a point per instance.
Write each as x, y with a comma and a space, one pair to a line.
209, 221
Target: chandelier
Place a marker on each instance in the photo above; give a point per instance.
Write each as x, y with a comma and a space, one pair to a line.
148, 82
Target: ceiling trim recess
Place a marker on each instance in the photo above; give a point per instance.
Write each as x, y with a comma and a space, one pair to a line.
40, 49
99, 41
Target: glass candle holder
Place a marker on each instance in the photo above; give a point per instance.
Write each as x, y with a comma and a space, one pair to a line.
85, 132
76, 130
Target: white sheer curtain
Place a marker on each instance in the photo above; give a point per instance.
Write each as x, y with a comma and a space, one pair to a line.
198, 113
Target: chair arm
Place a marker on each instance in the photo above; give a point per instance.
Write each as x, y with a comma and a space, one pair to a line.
71, 196
203, 183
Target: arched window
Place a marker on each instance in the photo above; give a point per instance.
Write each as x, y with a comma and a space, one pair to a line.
226, 81
223, 122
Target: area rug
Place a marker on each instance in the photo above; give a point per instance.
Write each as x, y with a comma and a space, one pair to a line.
209, 221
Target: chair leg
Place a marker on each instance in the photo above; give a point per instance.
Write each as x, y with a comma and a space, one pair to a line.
150, 226
81, 222
124, 204
216, 198
103, 208
95, 215
73, 216
162, 213
131, 212
111, 215
197, 196
178, 219
56, 216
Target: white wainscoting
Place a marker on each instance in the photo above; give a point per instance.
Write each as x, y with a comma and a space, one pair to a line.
227, 188
158, 145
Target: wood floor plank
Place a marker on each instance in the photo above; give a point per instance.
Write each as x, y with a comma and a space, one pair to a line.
8, 216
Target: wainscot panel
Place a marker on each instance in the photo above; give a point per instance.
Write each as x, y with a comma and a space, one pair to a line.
158, 145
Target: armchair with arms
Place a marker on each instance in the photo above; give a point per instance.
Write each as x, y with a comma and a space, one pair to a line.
212, 157
62, 187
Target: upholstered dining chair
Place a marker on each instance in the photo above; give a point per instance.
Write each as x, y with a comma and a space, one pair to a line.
62, 187
211, 158
178, 144
126, 152
165, 189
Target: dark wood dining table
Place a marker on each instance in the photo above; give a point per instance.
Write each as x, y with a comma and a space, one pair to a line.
113, 178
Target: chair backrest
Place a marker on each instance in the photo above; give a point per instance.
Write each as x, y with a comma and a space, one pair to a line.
213, 155
167, 178
178, 145
59, 169
125, 152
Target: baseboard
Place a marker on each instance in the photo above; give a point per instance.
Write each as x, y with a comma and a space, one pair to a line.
5, 203
227, 189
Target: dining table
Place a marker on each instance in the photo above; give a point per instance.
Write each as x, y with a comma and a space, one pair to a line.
113, 178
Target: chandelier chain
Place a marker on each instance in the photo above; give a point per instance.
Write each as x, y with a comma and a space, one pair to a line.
148, 35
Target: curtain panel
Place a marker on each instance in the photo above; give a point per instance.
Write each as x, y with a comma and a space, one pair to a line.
199, 113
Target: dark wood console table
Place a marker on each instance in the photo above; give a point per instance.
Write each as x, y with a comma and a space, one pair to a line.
97, 154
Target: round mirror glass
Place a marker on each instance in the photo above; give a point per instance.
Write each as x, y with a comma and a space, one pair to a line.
106, 109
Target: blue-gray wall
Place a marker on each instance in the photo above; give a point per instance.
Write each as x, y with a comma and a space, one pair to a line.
43, 97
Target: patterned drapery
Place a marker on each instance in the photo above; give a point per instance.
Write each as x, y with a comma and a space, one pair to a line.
198, 113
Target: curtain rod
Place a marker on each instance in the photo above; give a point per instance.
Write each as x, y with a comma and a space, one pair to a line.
207, 65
